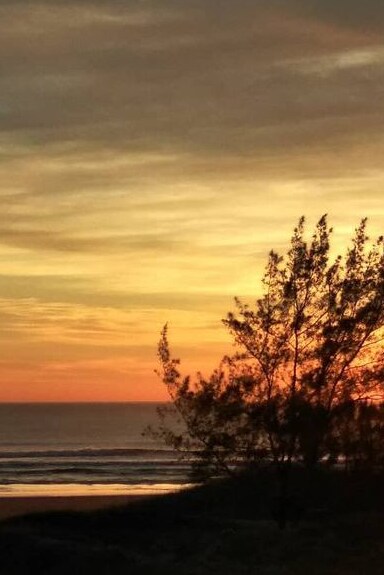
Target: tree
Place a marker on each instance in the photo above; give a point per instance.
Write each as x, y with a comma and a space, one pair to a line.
309, 364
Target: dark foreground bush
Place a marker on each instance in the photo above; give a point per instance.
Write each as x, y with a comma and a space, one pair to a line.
335, 526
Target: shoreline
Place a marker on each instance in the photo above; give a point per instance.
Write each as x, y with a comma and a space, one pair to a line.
57, 489
18, 500
26, 504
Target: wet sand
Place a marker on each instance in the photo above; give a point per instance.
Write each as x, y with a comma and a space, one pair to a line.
23, 505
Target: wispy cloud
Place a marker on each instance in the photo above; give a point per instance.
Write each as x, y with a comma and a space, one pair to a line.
370, 58
151, 153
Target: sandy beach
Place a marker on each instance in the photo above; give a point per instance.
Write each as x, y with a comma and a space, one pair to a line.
18, 499
222, 528
23, 505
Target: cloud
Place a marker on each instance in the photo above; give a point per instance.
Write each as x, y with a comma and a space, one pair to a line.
151, 153
339, 61
365, 16
186, 78
43, 240
99, 97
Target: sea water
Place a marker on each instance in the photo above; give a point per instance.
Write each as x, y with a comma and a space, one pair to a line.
84, 448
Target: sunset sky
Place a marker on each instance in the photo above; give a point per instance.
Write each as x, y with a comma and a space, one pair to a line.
152, 152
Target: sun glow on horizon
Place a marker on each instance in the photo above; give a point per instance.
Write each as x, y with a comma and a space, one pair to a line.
151, 157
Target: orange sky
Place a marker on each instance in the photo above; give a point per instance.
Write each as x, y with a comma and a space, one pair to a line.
151, 155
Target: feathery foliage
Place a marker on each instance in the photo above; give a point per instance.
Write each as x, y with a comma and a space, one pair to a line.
306, 384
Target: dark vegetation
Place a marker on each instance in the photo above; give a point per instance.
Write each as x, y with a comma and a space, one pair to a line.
304, 388
224, 527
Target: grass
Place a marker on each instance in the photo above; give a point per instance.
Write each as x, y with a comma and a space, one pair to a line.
226, 527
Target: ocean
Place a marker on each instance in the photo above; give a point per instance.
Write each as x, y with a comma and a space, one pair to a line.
83, 449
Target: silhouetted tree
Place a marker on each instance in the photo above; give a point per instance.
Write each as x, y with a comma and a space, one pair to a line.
302, 387
358, 435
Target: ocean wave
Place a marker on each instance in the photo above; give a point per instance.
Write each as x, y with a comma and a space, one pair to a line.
87, 452
86, 470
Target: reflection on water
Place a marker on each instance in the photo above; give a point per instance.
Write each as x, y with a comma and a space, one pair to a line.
84, 448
